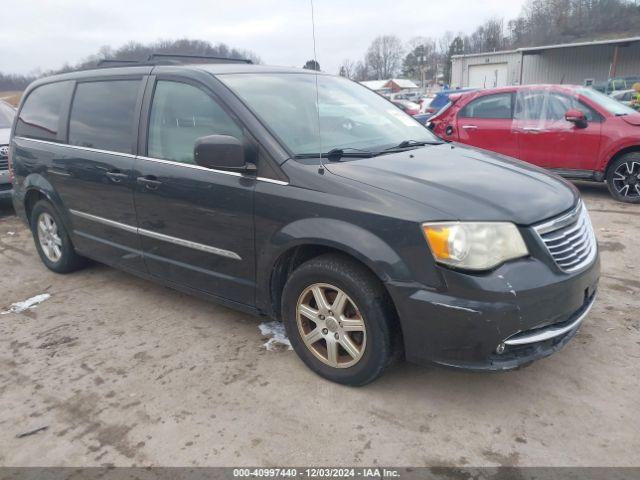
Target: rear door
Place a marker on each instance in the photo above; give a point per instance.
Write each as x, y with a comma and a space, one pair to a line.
487, 122
547, 139
93, 173
196, 224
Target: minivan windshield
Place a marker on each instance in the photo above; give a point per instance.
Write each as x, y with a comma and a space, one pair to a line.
348, 116
6, 115
611, 105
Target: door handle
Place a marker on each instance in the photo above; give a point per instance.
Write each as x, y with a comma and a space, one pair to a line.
116, 176
531, 129
150, 182
470, 127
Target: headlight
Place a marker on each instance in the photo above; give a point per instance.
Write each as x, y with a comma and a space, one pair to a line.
474, 245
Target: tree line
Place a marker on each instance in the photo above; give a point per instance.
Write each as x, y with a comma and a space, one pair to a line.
541, 22
133, 51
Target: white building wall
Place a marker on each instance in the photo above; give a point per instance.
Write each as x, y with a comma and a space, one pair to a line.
460, 66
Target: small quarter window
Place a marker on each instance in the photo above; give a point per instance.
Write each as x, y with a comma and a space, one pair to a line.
102, 115
495, 106
180, 114
40, 115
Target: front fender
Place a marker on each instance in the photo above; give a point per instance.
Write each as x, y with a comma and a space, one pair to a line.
613, 150
351, 239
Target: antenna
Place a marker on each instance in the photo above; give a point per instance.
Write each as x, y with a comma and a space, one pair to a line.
315, 59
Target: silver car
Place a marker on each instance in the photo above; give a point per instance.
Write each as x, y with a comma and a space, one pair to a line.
7, 112
624, 96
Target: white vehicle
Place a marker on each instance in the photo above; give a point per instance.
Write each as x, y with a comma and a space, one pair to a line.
7, 112
624, 96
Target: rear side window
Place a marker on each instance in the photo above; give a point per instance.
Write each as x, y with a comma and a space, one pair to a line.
180, 114
102, 115
489, 106
40, 115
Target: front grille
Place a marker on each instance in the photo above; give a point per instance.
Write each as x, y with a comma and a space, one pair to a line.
4, 159
570, 239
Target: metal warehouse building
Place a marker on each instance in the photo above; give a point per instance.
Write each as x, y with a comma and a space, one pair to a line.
571, 63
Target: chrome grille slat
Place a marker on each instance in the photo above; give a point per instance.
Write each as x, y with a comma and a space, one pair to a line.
569, 239
577, 228
575, 253
4, 164
583, 239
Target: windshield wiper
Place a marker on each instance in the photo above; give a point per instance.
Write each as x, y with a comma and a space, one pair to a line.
335, 154
408, 144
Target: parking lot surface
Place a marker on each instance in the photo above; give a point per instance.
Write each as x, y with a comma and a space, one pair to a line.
126, 372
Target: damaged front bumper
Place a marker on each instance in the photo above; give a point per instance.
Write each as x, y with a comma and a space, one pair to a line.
501, 320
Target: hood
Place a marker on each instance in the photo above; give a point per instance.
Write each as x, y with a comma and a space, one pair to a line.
465, 183
632, 119
4, 136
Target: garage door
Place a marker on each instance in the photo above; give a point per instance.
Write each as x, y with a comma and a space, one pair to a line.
488, 75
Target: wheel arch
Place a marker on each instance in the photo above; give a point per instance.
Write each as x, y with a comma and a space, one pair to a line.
346, 239
618, 154
36, 188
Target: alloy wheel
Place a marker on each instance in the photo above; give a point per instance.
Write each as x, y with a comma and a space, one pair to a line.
49, 238
626, 179
331, 325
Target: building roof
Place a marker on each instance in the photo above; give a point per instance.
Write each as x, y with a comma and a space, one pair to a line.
403, 83
612, 41
533, 50
374, 84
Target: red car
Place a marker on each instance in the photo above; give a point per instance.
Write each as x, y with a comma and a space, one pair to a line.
408, 107
575, 131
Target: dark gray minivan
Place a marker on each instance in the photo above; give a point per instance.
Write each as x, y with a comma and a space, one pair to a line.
308, 198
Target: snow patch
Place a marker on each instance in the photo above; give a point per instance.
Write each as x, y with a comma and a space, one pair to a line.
278, 336
26, 304
11, 234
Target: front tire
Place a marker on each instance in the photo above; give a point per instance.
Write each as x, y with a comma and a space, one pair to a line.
623, 178
340, 320
52, 240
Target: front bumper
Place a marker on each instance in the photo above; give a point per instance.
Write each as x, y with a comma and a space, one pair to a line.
524, 310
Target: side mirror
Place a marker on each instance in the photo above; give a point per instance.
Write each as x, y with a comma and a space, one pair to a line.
577, 117
222, 152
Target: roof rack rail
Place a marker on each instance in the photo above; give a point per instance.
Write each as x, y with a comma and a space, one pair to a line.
181, 58
116, 63
168, 59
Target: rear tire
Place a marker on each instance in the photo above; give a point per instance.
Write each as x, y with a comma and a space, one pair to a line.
623, 178
350, 335
52, 240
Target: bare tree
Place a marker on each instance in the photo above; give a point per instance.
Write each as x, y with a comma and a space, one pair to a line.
422, 61
362, 71
384, 56
348, 69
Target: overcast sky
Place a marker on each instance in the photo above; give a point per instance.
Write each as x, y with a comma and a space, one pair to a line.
44, 34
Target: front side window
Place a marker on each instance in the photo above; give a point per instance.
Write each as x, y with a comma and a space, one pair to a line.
549, 107
40, 115
497, 106
102, 115
335, 113
180, 114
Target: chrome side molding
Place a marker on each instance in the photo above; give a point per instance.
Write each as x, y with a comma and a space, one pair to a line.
158, 236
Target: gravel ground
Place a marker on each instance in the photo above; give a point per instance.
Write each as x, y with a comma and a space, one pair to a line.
126, 372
